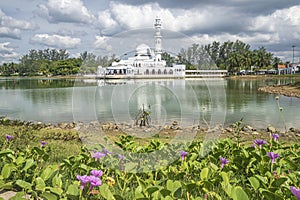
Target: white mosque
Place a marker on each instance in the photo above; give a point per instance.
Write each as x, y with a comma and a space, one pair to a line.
147, 63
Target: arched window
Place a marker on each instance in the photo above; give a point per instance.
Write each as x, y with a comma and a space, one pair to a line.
147, 71
165, 71
171, 71
159, 72
153, 71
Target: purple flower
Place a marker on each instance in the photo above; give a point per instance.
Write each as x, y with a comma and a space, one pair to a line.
183, 154
97, 173
295, 192
106, 152
273, 156
94, 181
121, 157
43, 143
9, 137
275, 136
98, 155
259, 142
224, 161
83, 180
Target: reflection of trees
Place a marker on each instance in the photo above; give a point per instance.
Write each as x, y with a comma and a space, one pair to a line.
240, 93
37, 83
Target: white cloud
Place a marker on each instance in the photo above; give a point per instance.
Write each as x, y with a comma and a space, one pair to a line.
4, 47
72, 11
282, 25
102, 43
57, 41
7, 53
10, 22
10, 33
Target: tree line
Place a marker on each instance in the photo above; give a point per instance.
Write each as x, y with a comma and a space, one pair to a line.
232, 56
54, 62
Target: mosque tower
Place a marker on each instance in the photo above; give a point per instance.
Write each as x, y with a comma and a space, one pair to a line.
157, 39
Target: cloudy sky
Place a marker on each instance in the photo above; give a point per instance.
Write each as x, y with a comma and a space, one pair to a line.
116, 27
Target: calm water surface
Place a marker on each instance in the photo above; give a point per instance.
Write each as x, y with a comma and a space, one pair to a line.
212, 101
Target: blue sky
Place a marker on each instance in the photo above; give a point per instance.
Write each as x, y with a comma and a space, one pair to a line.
116, 27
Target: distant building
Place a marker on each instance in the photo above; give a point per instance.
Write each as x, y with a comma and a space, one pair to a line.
291, 68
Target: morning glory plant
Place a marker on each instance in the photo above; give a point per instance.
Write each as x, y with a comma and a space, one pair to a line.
224, 161
98, 155
183, 154
295, 191
9, 137
273, 156
259, 142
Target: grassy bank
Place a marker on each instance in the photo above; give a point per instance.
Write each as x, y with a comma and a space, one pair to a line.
238, 166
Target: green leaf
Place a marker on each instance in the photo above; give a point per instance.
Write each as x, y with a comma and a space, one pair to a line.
6, 170
152, 189
29, 164
191, 186
18, 196
173, 186
270, 195
165, 192
204, 174
138, 193
105, 192
226, 186
47, 173
238, 193
6, 186
20, 160
6, 152
225, 177
49, 196
56, 181
24, 184
73, 190
279, 182
129, 167
254, 182
261, 179
40, 184
57, 191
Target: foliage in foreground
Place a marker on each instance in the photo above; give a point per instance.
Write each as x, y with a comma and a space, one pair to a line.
265, 170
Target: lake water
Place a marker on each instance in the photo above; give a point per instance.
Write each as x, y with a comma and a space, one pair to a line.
190, 101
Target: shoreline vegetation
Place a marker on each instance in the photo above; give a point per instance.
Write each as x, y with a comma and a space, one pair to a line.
42, 160
290, 90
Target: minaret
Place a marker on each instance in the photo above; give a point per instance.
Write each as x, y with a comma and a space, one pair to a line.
157, 40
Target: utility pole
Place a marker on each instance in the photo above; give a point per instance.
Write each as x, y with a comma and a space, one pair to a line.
293, 51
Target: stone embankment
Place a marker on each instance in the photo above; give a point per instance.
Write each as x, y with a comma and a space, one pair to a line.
174, 129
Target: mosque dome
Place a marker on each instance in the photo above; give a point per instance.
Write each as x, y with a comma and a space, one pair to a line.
143, 49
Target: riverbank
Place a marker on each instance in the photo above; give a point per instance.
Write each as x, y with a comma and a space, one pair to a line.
68, 138
266, 76
290, 90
